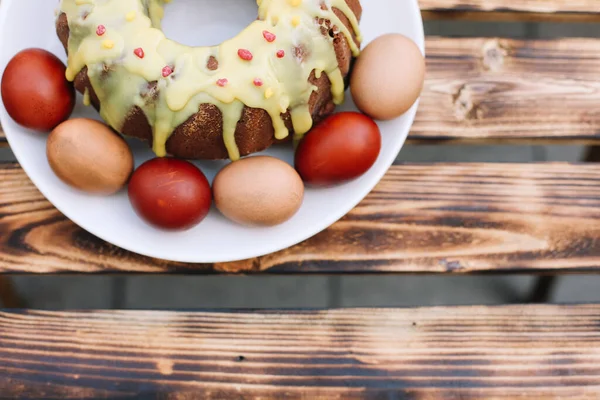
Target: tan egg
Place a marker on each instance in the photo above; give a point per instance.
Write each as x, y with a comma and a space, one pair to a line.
258, 191
89, 156
388, 77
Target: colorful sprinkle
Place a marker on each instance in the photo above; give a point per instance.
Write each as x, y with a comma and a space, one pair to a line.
245, 54
130, 16
222, 82
139, 52
258, 82
280, 54
167, 71
269, 37
269, 93
296, 21
108, 44
101, 30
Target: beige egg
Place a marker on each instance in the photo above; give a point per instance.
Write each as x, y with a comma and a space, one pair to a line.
388, 77
258, 191
89, 156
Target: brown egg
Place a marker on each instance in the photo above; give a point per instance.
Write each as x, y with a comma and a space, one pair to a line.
259, 191
89, 156
388, 77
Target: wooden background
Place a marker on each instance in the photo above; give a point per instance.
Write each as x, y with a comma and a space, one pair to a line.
431, 218
435, 218
429, 353
478, 90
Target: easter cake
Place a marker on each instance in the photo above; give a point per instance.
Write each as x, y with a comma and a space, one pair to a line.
280, 76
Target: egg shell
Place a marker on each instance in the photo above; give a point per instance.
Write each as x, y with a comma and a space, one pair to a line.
258, 191
35, 92
388, 77
89, 156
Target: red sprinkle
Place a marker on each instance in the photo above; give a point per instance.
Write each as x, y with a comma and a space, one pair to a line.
166, 71
222, 82
258, 82
101, 30
270, 37
281, 54
245, 54
139, 52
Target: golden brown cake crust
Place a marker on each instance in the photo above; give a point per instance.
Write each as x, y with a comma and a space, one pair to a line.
201, 136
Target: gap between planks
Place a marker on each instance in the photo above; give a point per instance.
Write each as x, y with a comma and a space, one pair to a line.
537, 351
505, 91
513, 10
421, 218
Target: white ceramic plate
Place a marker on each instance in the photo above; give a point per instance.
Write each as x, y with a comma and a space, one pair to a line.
30, 23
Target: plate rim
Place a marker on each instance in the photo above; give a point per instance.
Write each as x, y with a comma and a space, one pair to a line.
265, 250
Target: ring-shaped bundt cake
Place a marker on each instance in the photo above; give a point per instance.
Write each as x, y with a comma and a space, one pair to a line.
279, 76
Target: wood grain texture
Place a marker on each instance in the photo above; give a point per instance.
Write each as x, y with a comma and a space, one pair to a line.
429, 353
510, 91
438, 218
513, 10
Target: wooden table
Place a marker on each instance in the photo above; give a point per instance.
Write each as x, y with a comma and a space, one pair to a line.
422, 218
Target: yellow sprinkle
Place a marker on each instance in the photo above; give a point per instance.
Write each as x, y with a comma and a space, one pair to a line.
269, 93
130, 16
295, 3
108, 44
296, 21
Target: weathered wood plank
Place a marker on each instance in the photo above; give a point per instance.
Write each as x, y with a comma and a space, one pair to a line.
427, 353
513, 10
510, 91
434, 218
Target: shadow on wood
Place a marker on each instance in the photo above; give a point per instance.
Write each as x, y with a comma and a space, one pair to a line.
9, 298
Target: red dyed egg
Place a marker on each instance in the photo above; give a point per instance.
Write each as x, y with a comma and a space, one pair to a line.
342, 147
170, 194
35, 92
